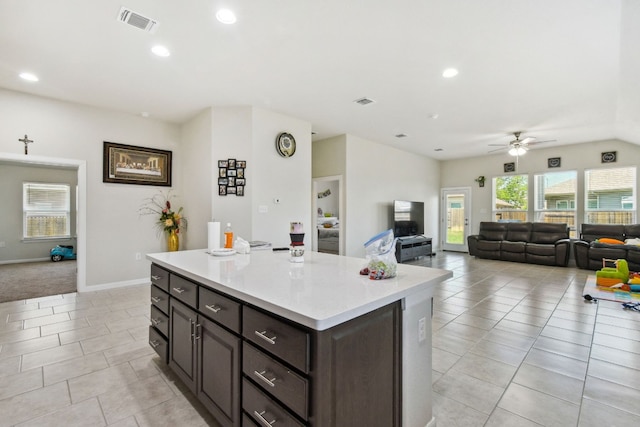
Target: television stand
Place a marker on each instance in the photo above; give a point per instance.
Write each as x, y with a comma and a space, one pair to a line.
411, 247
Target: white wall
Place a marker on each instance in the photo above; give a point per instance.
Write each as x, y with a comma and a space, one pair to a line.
115, 232
198, 178
376, 176
578, 157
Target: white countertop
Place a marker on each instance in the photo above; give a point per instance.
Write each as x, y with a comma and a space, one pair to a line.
323, 291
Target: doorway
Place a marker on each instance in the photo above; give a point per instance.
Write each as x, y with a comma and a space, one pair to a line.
81, 200
328, 210
455, 218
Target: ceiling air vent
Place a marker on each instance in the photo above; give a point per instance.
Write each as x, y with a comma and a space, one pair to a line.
401, 135
128, 16
364, 101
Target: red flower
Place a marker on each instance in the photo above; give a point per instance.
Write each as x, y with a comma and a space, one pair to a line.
168, 204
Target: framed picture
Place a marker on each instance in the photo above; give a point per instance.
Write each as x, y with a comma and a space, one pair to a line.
609, 157
128, 164
510, 167
231, 179
553, 162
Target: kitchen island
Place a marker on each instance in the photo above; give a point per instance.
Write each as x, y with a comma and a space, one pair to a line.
264, 341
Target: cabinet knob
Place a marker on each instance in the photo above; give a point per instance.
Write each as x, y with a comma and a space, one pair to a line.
263, 420
264, 336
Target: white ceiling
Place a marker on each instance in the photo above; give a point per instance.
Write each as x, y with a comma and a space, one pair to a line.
562, 70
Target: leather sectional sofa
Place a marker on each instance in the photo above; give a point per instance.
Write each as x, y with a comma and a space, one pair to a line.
530, 242
589, 252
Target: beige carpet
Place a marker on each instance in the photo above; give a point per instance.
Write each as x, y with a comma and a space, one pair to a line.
37, 279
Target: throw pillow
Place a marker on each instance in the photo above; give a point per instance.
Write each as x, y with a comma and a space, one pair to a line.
609, 241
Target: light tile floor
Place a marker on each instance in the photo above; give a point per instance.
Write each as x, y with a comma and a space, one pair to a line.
513, 345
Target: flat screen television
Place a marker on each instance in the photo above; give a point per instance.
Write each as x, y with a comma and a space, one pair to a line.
408, 218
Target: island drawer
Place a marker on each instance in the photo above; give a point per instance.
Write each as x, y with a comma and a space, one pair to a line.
220, 309
276, 379
160, 277
277, 337
264, 410
160, 299
160, 320
159, 344
184, 290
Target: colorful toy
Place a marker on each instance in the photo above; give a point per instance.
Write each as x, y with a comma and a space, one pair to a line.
611, 276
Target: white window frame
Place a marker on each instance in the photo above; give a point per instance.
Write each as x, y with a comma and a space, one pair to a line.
43, 206
629, 216
509, 212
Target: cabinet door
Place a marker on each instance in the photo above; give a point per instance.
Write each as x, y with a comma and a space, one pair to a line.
219, 372
182, 355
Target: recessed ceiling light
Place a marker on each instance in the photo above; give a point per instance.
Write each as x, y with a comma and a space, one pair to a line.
160, 50
449, 72
434, 116
226, 16
144, 114
29, 77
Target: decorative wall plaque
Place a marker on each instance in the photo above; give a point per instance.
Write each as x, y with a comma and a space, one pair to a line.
609, 157
510, 167
553, 162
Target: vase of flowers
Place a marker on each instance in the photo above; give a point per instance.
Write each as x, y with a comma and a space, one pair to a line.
169, 222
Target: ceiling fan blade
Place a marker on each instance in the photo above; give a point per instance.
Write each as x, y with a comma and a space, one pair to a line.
497, 145
527, 140
498, 149
540, 142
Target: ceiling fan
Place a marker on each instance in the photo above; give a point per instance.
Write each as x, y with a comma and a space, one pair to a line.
518, 146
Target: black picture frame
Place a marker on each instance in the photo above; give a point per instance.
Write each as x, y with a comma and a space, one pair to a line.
131, 164
231, 177
609, 157
554, 162
510, 167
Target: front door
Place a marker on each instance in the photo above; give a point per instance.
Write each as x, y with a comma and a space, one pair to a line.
456, 208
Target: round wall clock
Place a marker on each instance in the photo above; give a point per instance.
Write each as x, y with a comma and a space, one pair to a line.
285, 144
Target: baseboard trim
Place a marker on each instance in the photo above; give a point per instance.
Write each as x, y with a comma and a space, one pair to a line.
113, 285
22, 261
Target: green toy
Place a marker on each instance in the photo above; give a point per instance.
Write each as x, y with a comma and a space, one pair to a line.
609, 276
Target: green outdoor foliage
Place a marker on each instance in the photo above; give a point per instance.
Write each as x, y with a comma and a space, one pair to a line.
513, 190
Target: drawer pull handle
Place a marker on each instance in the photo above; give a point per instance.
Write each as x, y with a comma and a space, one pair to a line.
260, 375
264, 336
263, 420
178, 290
156, 277
197, 332
155, 299
155, 322
154, 343
214, 308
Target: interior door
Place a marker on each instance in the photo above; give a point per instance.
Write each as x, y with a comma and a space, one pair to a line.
455, 218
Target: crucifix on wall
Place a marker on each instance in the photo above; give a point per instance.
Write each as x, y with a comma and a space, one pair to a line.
26, 141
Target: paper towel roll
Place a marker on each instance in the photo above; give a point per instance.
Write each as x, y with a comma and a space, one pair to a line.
213, 229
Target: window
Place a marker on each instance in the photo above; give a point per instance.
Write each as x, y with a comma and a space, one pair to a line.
510, 202
610, 196
555, 198
46, 210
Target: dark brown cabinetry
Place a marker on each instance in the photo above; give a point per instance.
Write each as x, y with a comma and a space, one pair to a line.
251, 367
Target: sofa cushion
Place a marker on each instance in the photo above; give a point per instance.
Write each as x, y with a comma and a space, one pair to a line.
543, 249
542, 232
517, 247
489, 245
493, 231
632, 231
518, 231
591, 232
